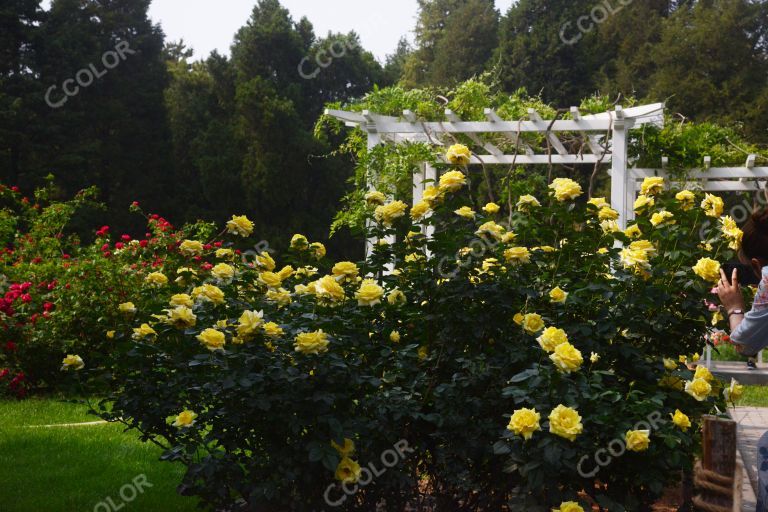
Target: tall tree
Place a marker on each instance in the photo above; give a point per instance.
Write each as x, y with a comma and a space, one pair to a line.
454, 41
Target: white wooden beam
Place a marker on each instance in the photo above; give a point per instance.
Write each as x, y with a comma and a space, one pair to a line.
594, 145
537, 159
493, 117
553, 139
451, 115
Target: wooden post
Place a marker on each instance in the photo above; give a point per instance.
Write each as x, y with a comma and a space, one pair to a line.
621, 192
719, 445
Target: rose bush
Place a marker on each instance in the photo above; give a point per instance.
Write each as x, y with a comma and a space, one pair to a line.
503, 352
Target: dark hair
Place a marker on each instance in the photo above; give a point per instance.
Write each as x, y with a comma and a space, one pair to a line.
755, 241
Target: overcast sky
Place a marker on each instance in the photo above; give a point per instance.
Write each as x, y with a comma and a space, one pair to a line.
206, 25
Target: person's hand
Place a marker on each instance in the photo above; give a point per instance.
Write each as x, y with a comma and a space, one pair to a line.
730, 293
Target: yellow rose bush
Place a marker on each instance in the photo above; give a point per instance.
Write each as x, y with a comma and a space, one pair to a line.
504, 349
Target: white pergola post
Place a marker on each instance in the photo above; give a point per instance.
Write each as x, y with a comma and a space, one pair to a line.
622, 191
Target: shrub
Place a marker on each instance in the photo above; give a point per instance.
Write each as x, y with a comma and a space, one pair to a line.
274, 384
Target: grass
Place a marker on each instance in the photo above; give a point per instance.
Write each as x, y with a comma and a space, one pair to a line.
754, 396
77, 468
727, 352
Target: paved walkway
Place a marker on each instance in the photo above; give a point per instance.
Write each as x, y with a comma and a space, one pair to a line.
753, 423
738, 370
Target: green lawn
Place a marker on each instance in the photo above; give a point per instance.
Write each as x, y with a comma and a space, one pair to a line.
77, 468
726, 353
754, 396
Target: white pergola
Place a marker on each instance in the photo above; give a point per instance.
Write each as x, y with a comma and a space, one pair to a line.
602, 139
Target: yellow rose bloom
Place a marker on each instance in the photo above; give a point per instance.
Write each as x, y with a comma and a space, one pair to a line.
394, 337
652, 186
680, 420
386, 214
419, 210
270, 279
346, 449
281, 296
423, 353
369, 293
72, 362
265, 261
491, 208
348, 471
272, 330
249, 322
458, 154
346, 270
565, 189
686, 199
638, 440
208, 293
698, 389
670, 364
328, 288
285, 272
240, 225
643, 203
181, 317
466, 212
712, 205
707, 269
213, 339
599, 203
191, 248
491, 229
524, 422
731, 232
551, 338
517, 255
567, 358
607, 213
396, 297
568, 506
225, 254
375, 197
610, 226
452, 181
156, 279
223, 272
734, 392
594, 357
432, 195
532, 323
144, 331
703, 373
311, 342
565, 422
662, 218
518, 318
111, 334
127, 308
557, 295
527, 202
299, 242
633, 231
317, 249
185, 419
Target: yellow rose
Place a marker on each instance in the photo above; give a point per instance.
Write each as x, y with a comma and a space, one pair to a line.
567, 358
213, 339
452, 181
610, 226
432, 195
144, 331
375, 197
270, 279
565, 189
568, 506
680, 420
240, 225
185, 419
652, 186
223, 272
181, 317
491, 208
551, 338
686, 199
662, 217
208, 293
594, 357
458, 154
731, 232
185, 275
708, 269
191, 248
532, 323
517, 255
72, 362
712, 205
599, 203
318, 250
524, 422
419, 210
466, 212
703, 373
328, 288
111, 334
348, 471
670, 364
643, 203
394, 337
281, 296
565, 422
637, 440
156, 279
607, 213
491, 229
734, 392
369, 293
518, 318
265, 261
346, 449
423, 353
272, 330
633, 231
396, 297
225, 254
386, 214
299, 242
636, 259
249, 322
526, 202
345, 269
311, 342
127, 308
698, 389
557, 295
285, 272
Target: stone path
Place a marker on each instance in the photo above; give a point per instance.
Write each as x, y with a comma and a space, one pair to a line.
738, 370
753, 423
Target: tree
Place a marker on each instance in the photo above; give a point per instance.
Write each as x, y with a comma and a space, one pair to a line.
454, 41
394, 66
